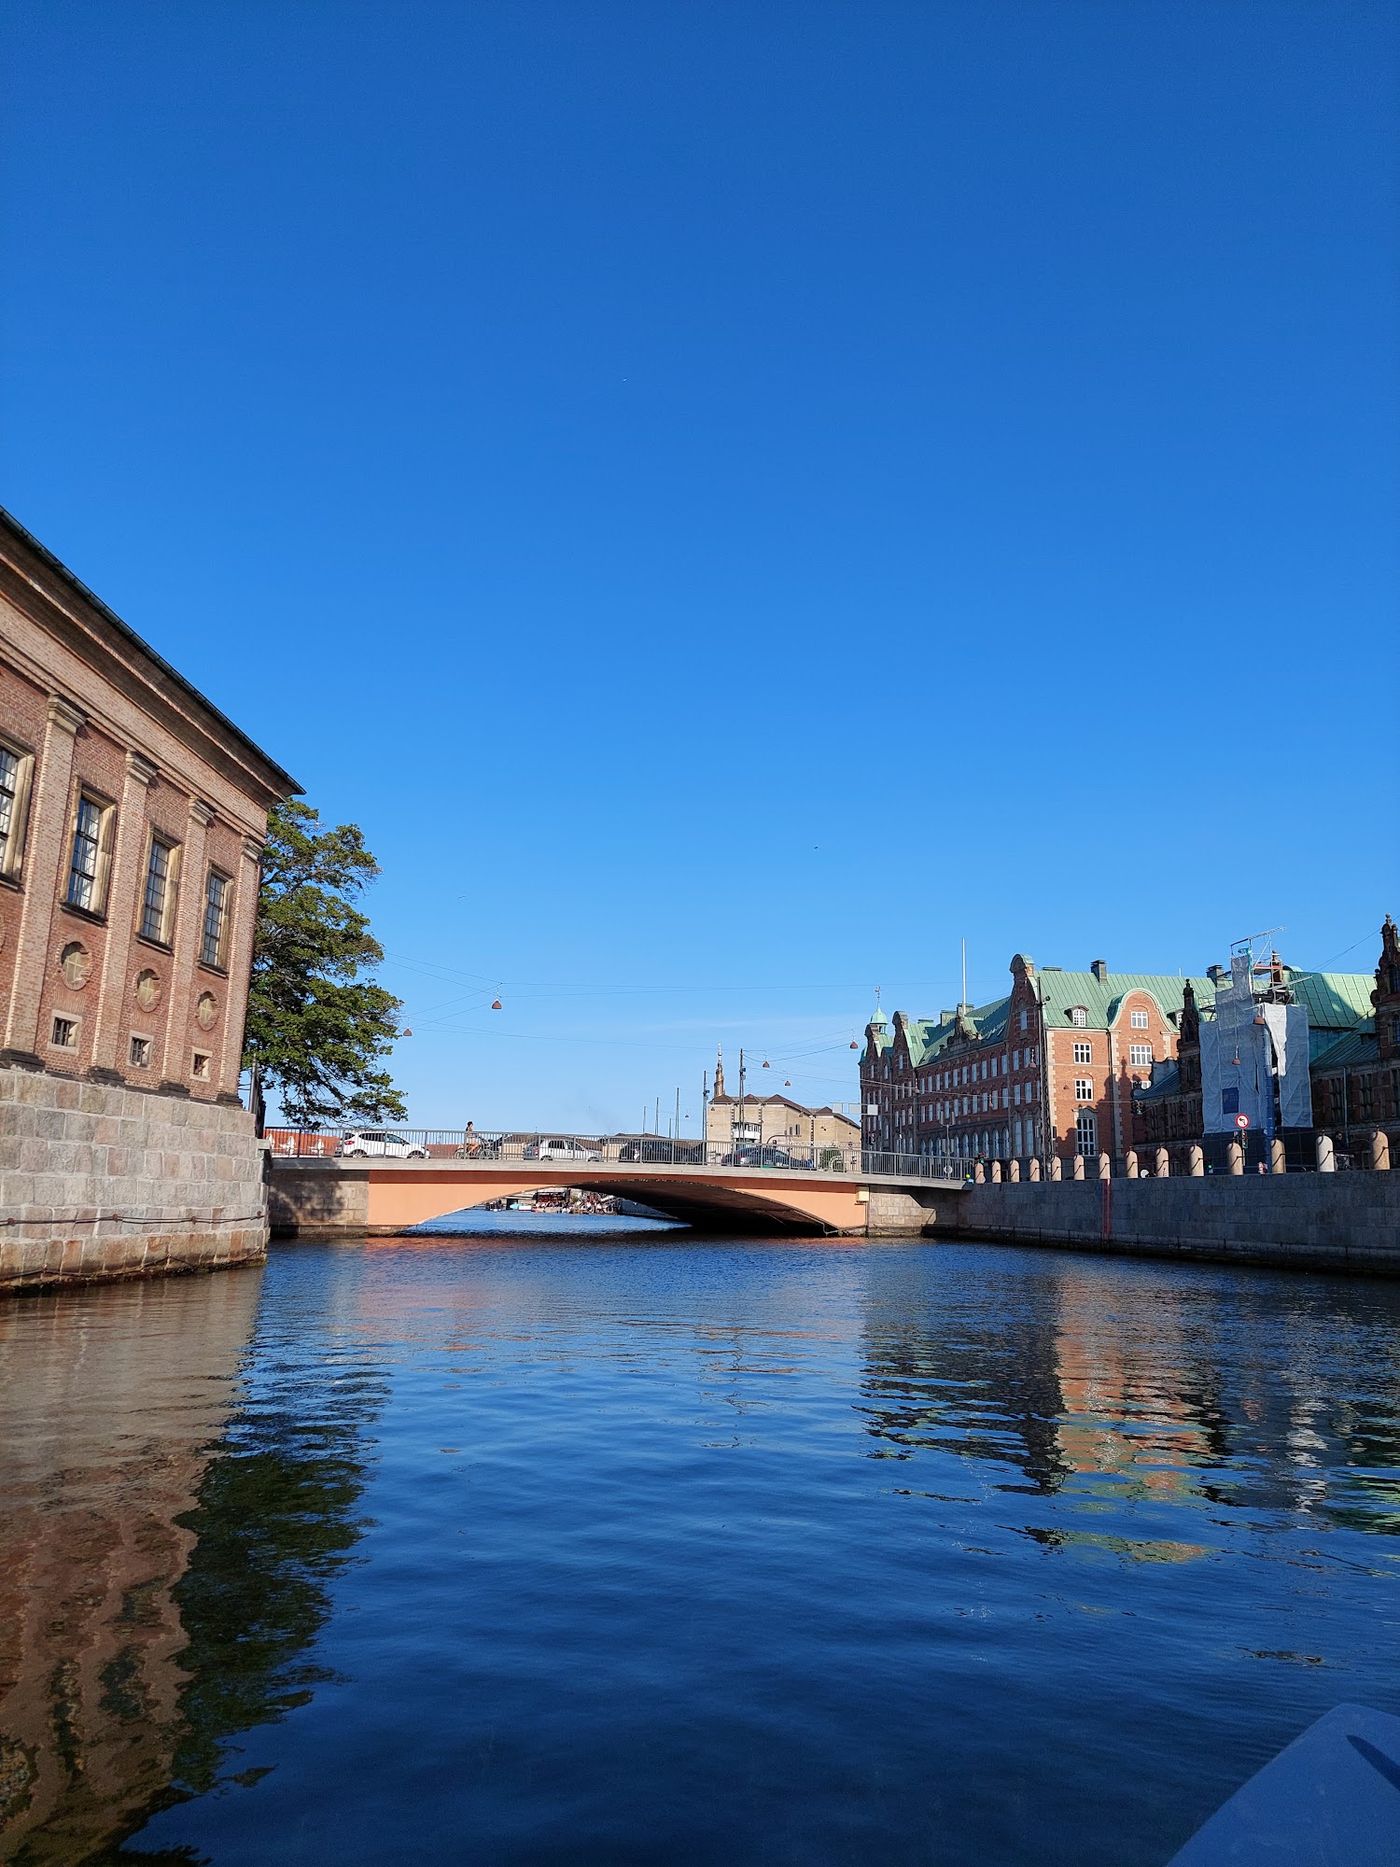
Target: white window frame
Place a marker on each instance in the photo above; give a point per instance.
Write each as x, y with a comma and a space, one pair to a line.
1140, 1056
1138, 1020
1078, 1016
1086, 1132
1083, 1052
1083, 1089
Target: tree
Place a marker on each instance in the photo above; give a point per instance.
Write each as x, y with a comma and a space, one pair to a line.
317, 1030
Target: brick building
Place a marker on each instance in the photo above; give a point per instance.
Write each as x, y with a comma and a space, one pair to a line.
1049, 1068
132, 814
1353, 1052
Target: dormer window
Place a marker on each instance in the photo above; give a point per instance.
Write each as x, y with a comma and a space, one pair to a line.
1079, 1015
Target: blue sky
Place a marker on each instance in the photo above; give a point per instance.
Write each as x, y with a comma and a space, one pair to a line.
736, 498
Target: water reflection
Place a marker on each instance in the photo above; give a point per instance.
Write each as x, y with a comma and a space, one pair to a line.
472, 1549
172, 1517
1123, 1383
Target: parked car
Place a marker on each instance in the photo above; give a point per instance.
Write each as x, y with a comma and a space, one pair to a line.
765, 1157
557, 1148
663, 1152
381, 1143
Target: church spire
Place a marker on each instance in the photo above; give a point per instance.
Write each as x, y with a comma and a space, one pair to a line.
719, 1072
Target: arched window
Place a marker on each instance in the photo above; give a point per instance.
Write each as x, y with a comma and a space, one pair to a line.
1086, 1132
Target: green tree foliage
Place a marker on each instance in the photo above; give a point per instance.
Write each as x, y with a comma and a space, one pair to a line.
317, 1028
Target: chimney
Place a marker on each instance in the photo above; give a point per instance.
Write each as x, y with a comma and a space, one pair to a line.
1100, 970
1217, 973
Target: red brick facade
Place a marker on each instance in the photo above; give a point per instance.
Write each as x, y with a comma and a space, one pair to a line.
96, 731
1049, 1069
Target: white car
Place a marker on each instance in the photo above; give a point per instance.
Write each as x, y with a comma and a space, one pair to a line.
560, 1150
380, 1142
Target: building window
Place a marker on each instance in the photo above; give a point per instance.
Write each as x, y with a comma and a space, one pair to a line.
1078, 1015
141, 1053
1083, 1089
1139, 1055
1086, 1132
211, 950
158, 902
65, 1034
1139, 1020
16, 768
90, 861
200, 1066
1025, 1021
1083, 1053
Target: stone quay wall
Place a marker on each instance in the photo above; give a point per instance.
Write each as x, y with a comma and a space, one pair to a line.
101, 1181
1341, 1222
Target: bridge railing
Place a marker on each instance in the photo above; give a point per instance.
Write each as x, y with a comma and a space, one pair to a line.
783, 1154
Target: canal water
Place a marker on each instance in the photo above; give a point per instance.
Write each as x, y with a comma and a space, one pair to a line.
637, 1548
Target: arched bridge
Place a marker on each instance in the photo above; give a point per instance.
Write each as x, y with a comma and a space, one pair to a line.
352, 1196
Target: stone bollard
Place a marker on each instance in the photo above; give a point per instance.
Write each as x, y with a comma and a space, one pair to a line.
1076, 1167
1164, 1164
1278, 1162
1380, 1151
1013, 1170
1057, 1171
1034, 1166
1195, 1162
1105, 1167
996, 1173
1326, 1154
1130, 1163
1234, 1155
979, 1173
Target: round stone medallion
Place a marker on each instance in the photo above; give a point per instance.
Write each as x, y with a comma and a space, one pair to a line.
75, 963
206, 1012
147, 989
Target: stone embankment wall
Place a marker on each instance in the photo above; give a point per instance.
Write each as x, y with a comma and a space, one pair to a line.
99, 1181
892, 1214
1344, 1222
306, 1201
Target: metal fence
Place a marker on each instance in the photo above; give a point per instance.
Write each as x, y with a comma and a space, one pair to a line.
555, 1149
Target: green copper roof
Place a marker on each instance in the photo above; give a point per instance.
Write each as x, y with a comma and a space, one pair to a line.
1061, 992
1341, 1052
1336, 1001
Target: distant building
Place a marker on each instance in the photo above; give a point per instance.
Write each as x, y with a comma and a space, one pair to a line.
758, 1121
1051, 1067
132, 816
1352, 1036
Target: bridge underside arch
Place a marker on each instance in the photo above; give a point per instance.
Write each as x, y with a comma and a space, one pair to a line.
706, 1209
337, 1198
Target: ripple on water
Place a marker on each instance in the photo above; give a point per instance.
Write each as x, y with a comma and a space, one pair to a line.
662, 1549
